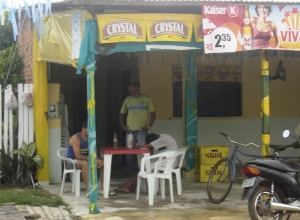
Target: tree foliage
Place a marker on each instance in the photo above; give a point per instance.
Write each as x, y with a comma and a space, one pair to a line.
7, 65
6, 35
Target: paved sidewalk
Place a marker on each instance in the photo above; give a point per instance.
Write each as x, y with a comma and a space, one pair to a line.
192, 204
10, 211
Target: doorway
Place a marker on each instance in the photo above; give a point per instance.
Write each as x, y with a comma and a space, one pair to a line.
117, 91
79, 101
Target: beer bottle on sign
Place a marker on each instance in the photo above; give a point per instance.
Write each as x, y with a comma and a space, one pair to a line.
246, 30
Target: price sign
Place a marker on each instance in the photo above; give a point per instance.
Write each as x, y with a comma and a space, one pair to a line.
234, 27
220, 40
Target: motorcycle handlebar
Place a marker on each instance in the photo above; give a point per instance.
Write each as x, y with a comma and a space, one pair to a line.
296, 145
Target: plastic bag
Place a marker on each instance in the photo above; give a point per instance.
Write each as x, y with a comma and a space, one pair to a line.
27, 98
10, 100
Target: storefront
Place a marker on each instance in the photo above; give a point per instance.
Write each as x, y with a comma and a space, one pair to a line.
177, 62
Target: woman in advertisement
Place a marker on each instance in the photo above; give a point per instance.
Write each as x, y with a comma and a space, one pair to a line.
263, 29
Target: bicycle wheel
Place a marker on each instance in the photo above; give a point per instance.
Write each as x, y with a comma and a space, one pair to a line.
219, 183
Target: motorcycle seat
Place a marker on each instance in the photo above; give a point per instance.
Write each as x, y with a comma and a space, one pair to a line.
277, 147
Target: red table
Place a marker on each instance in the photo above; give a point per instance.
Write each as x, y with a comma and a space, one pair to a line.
108, 152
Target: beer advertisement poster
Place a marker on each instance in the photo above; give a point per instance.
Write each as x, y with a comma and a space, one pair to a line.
232, 27
170, 27
114, 28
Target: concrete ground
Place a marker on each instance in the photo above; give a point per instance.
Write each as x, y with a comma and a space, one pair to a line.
192, 204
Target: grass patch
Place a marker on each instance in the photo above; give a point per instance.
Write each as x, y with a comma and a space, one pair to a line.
29, 196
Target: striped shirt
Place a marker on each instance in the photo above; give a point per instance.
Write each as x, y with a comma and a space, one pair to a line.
137, 109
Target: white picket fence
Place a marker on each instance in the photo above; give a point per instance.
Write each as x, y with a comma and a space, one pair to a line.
22, 120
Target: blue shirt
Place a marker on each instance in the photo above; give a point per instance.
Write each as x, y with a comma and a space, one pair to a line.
84, 150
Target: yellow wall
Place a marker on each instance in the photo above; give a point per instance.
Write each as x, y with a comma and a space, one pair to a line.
285, 95
156, 81
251, 88
155, 74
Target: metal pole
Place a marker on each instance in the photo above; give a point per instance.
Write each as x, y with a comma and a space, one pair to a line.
191, 131
265, 105
93, 177
90, 39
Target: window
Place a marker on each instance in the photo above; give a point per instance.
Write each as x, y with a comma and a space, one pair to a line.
215, 99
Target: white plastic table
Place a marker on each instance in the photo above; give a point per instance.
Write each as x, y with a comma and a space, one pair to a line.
108, 152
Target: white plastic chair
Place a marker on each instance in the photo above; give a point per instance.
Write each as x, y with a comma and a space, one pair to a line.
64, 137
177, 168
162, 170
69, 167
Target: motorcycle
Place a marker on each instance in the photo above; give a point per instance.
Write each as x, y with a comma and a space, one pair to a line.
272, 186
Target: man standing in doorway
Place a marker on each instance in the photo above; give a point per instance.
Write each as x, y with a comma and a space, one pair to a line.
137, 106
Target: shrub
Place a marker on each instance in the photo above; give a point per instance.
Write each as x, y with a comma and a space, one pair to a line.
16, 169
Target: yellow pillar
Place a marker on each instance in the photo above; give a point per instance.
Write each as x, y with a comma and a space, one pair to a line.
265, 105
40, 107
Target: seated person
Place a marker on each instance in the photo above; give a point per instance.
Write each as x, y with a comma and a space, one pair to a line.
160, 142
78, 150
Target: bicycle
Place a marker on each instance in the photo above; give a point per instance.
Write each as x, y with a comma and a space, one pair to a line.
220, 180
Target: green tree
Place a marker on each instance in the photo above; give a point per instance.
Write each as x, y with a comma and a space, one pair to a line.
11, 62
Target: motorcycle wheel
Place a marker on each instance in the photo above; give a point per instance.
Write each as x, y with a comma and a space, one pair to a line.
256, 205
